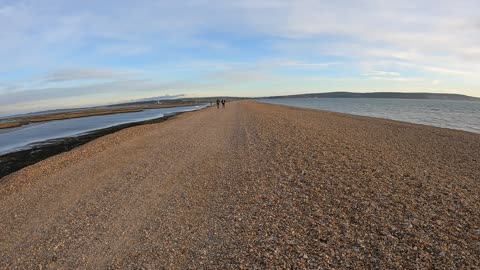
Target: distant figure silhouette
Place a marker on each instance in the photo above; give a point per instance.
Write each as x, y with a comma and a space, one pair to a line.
223, 103
218, 103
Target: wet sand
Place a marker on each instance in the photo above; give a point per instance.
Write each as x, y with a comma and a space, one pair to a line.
252, 186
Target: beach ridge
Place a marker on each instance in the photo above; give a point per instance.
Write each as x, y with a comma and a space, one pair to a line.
253, 185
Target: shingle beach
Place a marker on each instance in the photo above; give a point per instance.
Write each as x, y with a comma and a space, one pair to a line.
254, 186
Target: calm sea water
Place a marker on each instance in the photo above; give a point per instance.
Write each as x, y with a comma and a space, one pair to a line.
463, 115
22, 137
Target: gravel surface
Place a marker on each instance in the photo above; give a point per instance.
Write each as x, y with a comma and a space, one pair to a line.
253, 186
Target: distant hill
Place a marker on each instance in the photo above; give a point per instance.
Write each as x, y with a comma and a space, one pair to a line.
383, 95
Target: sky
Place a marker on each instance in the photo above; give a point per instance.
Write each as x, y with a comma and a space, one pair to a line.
58, 54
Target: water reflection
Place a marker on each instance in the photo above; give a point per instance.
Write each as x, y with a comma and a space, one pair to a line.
19, 138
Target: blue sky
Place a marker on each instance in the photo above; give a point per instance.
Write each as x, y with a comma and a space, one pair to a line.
58, 54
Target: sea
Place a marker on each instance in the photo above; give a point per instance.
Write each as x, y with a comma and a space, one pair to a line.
453, 114
24, 137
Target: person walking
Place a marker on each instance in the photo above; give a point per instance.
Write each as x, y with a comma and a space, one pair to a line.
223, 103
218, 103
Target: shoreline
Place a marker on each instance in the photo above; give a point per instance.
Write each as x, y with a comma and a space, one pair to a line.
426, 120
373, 118
26, 120
17, 160
253, 186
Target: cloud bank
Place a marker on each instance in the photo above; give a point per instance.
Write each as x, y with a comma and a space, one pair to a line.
99, 51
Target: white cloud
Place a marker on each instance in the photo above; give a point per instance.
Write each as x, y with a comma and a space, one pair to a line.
426, 33
381, 73
78, 74
438, 40
297, 64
